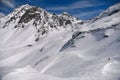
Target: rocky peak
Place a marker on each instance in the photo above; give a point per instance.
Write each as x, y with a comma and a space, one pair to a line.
26, 13
66, 14
32, 13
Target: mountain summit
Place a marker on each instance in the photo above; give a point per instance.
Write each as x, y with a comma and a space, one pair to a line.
26, 13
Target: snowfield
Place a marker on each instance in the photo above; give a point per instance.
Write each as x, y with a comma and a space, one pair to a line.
38, 45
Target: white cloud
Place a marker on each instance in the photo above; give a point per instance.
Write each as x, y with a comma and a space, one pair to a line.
86, 14
76, 5
8, 3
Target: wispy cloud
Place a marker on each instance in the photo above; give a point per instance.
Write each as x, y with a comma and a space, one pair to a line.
88, 14
76, 5
9, 3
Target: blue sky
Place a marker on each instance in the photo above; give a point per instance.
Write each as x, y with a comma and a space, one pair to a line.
83, 9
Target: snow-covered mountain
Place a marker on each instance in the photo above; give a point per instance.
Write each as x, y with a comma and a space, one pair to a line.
48, 46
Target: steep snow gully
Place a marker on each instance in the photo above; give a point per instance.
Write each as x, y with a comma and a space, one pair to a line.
38, 45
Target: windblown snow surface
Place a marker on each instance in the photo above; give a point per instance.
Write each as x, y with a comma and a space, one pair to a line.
38, 45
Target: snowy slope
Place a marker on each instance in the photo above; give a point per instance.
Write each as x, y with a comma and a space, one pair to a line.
107, 18
47, 46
